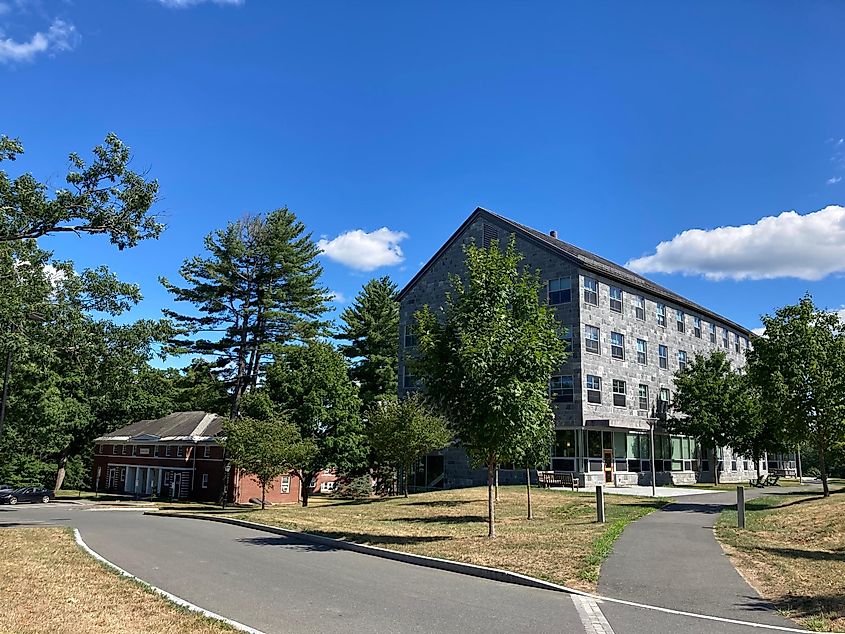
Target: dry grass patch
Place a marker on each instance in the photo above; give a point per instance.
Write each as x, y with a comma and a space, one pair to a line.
793, 553
562, 544
50, 586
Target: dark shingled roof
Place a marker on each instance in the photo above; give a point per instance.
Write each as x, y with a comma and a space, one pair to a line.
584, 259
175, 424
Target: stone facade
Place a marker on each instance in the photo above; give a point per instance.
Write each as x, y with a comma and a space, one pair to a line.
604, 441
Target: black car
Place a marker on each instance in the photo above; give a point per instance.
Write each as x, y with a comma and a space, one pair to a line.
26, 494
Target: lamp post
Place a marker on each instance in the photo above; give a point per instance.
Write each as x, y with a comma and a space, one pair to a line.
651, 423
227, 468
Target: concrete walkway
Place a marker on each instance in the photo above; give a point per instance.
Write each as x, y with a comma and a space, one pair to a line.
671, 559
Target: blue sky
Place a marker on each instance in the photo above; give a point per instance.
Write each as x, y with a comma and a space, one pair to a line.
621, 125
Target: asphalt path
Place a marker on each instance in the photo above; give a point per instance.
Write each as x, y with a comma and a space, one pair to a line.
280, 585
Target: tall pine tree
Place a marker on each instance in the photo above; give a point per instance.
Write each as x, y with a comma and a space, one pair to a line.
257, 289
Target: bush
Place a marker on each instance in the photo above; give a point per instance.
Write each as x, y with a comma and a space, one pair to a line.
812, 472
354, 489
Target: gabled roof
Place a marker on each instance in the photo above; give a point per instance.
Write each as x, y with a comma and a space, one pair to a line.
580, 257
185, 426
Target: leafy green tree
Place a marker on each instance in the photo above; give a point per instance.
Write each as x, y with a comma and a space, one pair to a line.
403, 432
799, 367
371, 326
197, 388
257, 290
311, 385
485, 361
264, 448
104, 197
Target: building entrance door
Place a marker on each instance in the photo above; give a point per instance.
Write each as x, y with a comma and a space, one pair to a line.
176, 485
608, 466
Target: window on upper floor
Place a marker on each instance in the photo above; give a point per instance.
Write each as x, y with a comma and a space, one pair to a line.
593, 388
591, 291
618, 393
642, 351
410, 340
617, 345
410, 381
712, 333
180, 451
168, 450
696, 327
567, 339
680, 320
725, 343
114, 450
125, 450
661, 315
663, 356
560, 290
736, 343
562, 388
615, 299
663, 400
682, 359
591, 339
642, 393
639, 307
206, 451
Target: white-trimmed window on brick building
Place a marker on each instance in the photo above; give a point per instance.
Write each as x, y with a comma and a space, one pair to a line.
661, 315
696, 327
591, 339
616, 299
712, 333
639, 307
617, 345
619, 388
642, 351
562, 388
725, 343
168, 450
204, 481
680, 320
663, 357
284, 484
642, 396
591, 291
560, 291
593, 388
682, 359
410, 338
206, 451
124, 450
180, 451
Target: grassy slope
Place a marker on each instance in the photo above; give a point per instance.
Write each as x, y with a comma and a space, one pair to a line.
562, 544
793, 553
50, 586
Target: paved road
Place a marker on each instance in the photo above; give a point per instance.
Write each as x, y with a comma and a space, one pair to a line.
282, 585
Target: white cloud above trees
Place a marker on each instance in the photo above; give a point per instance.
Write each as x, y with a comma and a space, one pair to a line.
364, 251
60, 36
808, 247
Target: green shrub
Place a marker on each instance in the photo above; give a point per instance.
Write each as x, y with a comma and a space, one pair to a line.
358, 488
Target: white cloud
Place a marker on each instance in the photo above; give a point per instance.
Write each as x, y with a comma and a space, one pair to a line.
61, 36
337, 297
365, 251
833, 180
808, 247
184, 4
759, 331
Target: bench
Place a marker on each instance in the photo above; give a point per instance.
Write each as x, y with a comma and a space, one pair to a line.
548, 479
771, 480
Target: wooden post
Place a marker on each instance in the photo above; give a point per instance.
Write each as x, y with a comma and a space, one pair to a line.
740, 507
600, 504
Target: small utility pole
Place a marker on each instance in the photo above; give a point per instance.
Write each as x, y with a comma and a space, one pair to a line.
651, 454
800, 474
740, 506
600, 504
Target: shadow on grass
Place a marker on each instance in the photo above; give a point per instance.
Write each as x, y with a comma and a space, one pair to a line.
358, 538
443, 503
797, 553
442, 519
798, 606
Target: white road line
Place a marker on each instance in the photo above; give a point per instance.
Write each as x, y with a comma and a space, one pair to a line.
170, 597
591, 616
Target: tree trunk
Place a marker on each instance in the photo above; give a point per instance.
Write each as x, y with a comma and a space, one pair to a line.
759, 473
497, 483
823, 472
263, 494
491, 507
60, 472
406, 473
528, 491
306, 488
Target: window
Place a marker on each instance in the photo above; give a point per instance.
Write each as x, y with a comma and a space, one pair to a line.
593, 389
642, 392
180, 451
617, 345
642, 351
560, 291
204, 480
125, 450
567, 340
327, 487
409, 381
639, 307
747, 346
725, 338
284, 484
682, 359
565, 443
615, 299
410, 336
696, 327
591, 291
736, 343
591, 339
712, 333
489, 234
562, 389
680, 321
618, 393
167, 450
663, 356
661, 315
663, 400
206, 451
114, 449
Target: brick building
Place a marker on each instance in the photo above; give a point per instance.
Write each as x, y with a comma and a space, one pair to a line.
627, 336
179, 456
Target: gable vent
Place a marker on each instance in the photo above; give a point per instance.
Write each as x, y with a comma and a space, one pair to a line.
490, 233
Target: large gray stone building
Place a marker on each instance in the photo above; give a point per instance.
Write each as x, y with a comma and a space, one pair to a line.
627, 335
